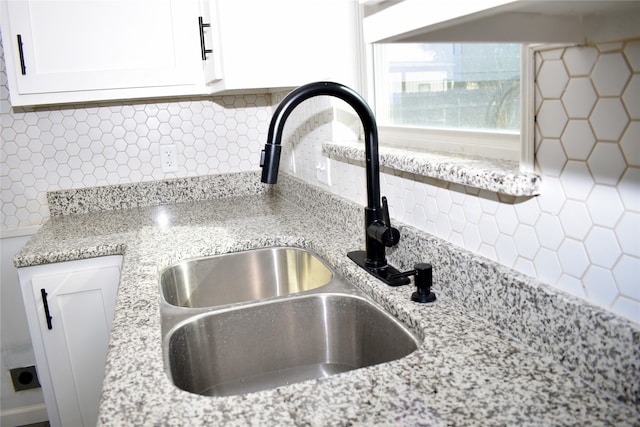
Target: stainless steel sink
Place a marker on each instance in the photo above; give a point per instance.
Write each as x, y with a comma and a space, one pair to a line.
243, 276
255, 320
281, 342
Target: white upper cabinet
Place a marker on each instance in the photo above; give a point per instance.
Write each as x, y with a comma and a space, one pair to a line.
63, 51
75, 50
284, 43
534, 21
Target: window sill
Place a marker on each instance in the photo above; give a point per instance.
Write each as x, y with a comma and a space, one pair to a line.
499, 176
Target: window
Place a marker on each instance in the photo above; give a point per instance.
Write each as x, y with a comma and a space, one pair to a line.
456, 97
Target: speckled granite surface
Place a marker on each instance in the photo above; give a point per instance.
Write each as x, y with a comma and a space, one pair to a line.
466, 372
151, 193
499, 176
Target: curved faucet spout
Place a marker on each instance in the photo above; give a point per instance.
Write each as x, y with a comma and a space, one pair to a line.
271, 158
378, 230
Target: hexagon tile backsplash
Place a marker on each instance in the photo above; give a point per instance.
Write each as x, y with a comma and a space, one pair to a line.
49, 148
582, 234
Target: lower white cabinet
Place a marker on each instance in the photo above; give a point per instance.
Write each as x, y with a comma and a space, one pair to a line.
69, 308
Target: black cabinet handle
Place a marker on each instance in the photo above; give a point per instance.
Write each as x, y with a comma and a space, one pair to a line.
203, 48
23, 68
47, 315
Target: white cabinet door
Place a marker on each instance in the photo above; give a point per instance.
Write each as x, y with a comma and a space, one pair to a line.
62, 51
70, 309
284, 43
75, 50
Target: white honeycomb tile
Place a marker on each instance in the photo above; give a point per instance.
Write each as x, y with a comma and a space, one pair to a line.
526, 241
507, 219
527, 212
626, 273
631, 97
549, 231
431, 210
579, 98
420, 217
610, 74
573, 257
552, 79
551, 54
457, 192
130, 125
611, 46
19, 126
489, 201
575, 219
488, 229
578, 139
71, 149
487, 251
576, 180
604, 206
408, 201
632, 53
105, 127
600, 285
628, 234
525, 266
471, 237
630, 144
551, 119
551, 157
33, 132
547, 265
12, 160
456, 238
607, 164
472, 209
628, 189
443, 198
61, 157
443, 226
627, 307
457, 218
609, 119
602, 247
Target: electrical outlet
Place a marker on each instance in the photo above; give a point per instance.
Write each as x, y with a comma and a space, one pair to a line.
292, 161
323, 170
169, 158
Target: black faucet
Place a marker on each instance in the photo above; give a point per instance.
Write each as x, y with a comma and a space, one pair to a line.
378, 231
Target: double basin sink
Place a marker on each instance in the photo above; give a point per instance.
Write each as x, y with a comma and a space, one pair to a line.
255, 320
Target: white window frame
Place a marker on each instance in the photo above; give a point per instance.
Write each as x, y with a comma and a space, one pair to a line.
491, 145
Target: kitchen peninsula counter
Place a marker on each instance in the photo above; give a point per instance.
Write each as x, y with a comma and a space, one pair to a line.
469, 369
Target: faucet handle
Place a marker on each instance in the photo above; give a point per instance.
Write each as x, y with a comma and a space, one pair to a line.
392, 235
383, 232
385, 212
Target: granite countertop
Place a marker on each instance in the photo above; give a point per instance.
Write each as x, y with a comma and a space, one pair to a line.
466, 371
500, 176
